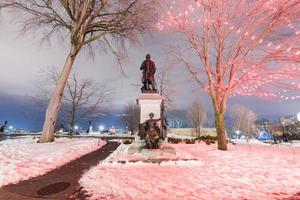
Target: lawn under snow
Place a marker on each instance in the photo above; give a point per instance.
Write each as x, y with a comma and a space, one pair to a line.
23, 158
243, 172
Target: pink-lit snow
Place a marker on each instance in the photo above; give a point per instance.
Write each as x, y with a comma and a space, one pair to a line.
243, 172
23, 158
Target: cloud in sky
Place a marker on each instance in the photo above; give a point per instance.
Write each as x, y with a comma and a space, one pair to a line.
23, 57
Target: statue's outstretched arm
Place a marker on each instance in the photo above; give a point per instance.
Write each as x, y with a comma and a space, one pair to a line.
156, 120
142, 66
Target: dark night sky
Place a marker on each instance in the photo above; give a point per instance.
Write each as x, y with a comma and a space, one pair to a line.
23, 57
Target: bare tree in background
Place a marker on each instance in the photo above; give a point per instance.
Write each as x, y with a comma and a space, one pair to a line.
244, 120
83, 98
177, 118
165, 84
166, 89
197, 116
130, 116
85, 22
237, 47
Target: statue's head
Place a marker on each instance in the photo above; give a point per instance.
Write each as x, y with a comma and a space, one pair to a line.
148, 56
151, 115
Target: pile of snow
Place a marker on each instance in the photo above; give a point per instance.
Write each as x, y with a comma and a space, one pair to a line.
170, 135
291, 143
250, 141
294, 143
243, 172
21, 159
92, 134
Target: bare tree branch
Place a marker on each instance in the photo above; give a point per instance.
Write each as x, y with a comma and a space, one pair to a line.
244, 48
197, 116
130, 117
116, 22
83, 99
244, 121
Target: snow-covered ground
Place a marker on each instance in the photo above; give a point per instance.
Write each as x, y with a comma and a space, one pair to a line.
291, 143
23, 158
250, 141
243, 172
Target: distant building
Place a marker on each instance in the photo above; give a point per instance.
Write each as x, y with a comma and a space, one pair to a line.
263, 125
288, 120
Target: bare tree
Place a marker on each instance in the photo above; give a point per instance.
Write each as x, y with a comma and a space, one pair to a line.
130, 116
166, 89
83, 98
197, 116
238, 47
165, 84
244, 120
177, 118
107, 22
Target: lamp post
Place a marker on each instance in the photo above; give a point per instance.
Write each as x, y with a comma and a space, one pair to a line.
76, 128
237, 132
298, 116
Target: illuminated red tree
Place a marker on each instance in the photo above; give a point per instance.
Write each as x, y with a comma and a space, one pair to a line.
238, 47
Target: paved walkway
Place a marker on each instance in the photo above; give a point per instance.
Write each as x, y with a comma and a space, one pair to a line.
61, 183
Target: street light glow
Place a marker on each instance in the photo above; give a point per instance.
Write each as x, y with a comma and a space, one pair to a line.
101, 128
76, 127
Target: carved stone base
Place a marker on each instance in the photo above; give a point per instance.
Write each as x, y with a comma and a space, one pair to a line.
138, 148
151, 153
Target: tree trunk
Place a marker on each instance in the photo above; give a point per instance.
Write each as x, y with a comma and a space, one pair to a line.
200, 131
197, 132
56, 99
221, 131
72, 123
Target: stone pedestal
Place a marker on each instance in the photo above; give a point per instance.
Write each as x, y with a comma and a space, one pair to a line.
149, 103
165, 151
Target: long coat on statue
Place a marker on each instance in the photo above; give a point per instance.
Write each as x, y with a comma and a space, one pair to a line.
149, 69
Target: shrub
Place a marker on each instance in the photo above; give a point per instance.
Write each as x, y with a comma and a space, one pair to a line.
174, 140
208, 137
208, 142
190, 141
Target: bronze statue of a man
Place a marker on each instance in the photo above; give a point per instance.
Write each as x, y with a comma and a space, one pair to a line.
153, 134
149, 70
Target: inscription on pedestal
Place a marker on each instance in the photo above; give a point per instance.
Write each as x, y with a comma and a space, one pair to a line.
149, 103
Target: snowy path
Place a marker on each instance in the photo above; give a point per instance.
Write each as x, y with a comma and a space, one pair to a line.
21, 159
244, 172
